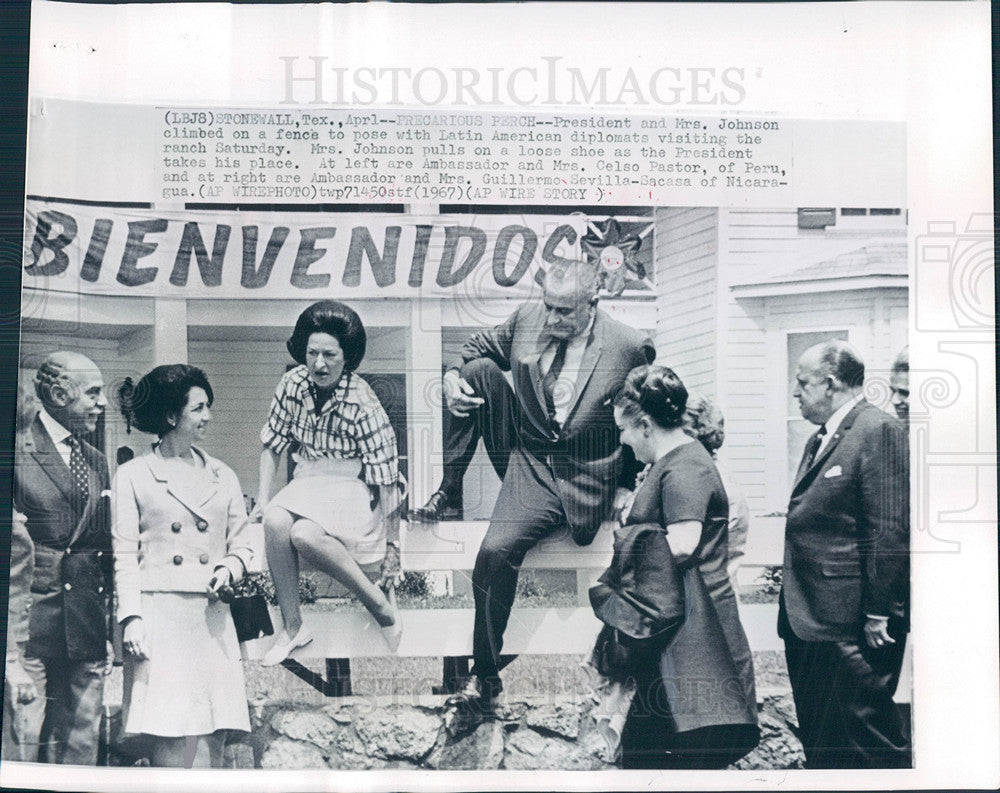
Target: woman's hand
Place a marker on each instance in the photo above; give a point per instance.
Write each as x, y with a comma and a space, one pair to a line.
257, 513
134, 639
222, 577
391, 574
622, 504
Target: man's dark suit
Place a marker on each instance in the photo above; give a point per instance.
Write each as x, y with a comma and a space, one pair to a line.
69, 618
555, 475
847, 557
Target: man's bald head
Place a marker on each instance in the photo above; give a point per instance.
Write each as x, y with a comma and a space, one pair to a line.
570, 293
828, 375
70, 387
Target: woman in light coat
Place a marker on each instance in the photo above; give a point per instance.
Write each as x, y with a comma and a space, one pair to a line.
180, 535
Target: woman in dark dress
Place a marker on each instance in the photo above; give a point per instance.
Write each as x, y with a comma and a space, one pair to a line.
695, 705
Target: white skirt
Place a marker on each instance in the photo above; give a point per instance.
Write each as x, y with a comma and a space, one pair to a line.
193, 682
329, 493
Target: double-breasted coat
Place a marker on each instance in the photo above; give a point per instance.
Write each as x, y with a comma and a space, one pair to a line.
172, 529
170, 533
71, 586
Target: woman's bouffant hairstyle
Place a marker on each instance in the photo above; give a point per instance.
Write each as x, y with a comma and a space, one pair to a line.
162, 394
655, 391
704, 422
336, 319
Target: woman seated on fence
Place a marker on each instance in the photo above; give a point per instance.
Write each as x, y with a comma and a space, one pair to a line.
671, 623
345, 445
180, 535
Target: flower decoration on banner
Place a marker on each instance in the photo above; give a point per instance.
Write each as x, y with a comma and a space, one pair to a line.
615, 253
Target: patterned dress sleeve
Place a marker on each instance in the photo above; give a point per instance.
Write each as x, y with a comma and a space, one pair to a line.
376, 442
276, 434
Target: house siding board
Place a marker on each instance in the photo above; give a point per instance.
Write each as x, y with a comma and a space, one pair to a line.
243, 376
687, 260
754, 245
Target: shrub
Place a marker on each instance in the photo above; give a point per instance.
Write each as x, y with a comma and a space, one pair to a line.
414, 584
261, 584
770, 580
528, 585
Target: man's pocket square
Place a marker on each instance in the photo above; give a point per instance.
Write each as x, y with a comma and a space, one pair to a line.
832, 472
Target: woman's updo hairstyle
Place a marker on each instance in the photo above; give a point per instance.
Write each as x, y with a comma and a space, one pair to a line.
704, 422
335, 319
162, 394
655, 391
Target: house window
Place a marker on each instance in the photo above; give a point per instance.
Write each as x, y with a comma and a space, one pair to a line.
798, 429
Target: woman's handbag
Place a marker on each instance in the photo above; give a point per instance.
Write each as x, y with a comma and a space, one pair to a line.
250, 614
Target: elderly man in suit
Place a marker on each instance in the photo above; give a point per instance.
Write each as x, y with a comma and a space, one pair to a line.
60, 487
552, 438
843, 612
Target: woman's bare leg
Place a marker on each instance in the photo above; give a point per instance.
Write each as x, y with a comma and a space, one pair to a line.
329, 555
283, 562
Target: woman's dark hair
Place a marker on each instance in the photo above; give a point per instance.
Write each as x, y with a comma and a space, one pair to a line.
163, 393
655, 391
336, 319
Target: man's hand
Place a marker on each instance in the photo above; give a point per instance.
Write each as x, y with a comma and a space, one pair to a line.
391, 574
459, 397
20, 521
22, 687
877, 632
134, 639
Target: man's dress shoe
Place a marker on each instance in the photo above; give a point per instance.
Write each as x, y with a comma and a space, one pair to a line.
432, 511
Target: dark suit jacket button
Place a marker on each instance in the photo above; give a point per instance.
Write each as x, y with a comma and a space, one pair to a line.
175, 526
68, 551
67, 586
203, 558
178, 559
202, 526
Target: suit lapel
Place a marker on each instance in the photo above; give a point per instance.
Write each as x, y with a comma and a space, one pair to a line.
193, 494
591, 354
834, 441
51, 462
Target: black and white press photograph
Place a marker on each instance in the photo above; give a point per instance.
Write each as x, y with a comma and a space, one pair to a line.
400, 409
631, 493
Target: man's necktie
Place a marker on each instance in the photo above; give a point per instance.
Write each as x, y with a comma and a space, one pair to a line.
813, 449
78, 467
551, 376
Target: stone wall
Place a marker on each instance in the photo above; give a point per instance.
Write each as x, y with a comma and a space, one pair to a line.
363, 733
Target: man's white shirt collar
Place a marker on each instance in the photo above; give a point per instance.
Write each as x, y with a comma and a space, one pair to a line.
57, 432
833, 423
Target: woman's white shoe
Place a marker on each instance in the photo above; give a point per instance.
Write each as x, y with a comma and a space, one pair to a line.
285, 646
